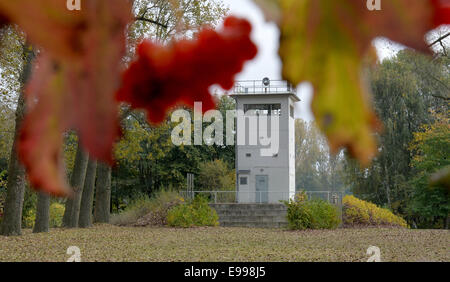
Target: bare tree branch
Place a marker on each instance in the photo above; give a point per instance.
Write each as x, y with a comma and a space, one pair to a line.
142, 18
440, 97
440, 39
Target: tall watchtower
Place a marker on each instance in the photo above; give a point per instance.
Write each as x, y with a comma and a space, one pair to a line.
265, 151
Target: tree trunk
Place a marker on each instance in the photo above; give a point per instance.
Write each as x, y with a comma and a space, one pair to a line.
386, 184
103, 193
67, 212
87, 198
71, 214
41, 223
12, 218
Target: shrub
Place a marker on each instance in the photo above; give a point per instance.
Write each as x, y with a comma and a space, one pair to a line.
324, 215
299, 216
56, 214
315, 214
29, 205
359, 212
197, 213
145, 211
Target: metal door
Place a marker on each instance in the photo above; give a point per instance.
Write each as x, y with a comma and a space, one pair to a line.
262, 188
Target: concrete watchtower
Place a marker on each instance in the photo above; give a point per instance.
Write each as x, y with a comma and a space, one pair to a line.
263, 174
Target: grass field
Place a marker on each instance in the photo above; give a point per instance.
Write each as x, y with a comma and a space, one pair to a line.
111, 243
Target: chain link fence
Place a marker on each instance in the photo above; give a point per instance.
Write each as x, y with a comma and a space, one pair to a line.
225, 197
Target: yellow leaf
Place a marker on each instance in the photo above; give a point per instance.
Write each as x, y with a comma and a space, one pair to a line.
325, 42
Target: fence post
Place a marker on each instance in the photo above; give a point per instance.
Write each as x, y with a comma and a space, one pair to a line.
215, 197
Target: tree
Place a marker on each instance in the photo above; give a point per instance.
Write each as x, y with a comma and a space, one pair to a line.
215, 176
71, 62
429, 205
41, 223
164, 20
147, 160
85, 218
404, 93
316, 168
72, 211
7, 116
12, 218
103, 194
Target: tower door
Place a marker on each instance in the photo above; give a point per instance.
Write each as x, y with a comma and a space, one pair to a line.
262, 188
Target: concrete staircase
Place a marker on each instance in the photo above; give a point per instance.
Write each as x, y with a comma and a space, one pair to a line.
251, 215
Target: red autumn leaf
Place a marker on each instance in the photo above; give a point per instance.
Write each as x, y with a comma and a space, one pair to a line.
99, 76
76, 94
442, 12
40, 143
182, 72
3, 20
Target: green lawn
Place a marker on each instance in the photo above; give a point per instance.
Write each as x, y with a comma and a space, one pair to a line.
111, 243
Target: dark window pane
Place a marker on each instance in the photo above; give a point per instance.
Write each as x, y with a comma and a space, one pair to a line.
266, 109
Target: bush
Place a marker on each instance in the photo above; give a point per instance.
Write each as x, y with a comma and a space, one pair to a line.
315, 214
56, 215
197, 213
29, 206
359, 212
145, 211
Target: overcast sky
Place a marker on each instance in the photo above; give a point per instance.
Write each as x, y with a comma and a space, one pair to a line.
267, 63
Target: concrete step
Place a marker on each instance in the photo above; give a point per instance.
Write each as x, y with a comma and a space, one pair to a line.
252, 218
254, 224
252, 215
218, 207
259, 212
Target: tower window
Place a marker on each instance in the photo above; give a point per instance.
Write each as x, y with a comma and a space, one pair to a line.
243, 180
263, 109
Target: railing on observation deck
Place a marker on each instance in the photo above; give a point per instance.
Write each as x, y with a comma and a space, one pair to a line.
258, 87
